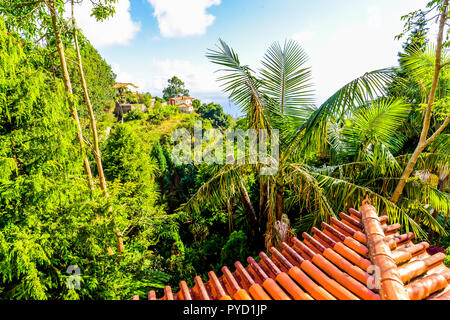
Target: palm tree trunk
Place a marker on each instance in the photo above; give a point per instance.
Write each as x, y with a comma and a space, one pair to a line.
423, 141
263, 213
230, 216
251, 215
270, 237
407, 172
279, 202
263, 194
62, 58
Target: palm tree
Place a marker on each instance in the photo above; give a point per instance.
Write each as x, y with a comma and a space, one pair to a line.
357, 125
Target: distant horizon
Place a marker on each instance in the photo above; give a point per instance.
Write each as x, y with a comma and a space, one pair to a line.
149, 41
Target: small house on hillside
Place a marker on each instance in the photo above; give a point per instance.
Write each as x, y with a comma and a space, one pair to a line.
122, 87
183, 102
122, 108
186, 108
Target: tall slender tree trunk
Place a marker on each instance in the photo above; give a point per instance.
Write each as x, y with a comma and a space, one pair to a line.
62, 58
97, 154
423, 141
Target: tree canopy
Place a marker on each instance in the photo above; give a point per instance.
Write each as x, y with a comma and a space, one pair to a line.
214, 113
174, 89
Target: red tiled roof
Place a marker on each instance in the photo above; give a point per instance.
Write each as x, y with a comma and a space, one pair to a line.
358, 257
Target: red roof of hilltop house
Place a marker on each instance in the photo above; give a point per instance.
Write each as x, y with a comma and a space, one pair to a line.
356, 257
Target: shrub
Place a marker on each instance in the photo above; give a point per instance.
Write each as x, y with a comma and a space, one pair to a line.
447, 259
235, 249
161, 113
133, 115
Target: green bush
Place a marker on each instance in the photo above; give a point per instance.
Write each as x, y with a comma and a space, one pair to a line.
235, 249
50, 219
160, 113
447, 259
133, 115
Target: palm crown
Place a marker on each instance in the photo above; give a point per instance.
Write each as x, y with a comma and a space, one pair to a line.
357, 128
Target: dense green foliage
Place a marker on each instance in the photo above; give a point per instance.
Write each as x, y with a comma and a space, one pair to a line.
215, 114
49, 218
182, 220
99, 77
174, 88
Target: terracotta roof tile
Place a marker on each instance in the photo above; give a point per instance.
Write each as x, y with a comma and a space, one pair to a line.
345, 260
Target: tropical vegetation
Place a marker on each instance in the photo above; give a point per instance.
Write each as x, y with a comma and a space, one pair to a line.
81, 190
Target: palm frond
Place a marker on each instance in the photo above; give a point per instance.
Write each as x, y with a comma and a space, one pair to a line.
438, 200
420, 64
427, 161
346, 194
375, 123
224, 183
307, 193
285, 79
382, 161
369, 87
241, 85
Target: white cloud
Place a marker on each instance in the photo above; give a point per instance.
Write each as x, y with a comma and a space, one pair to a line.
122, 75
303, 36
117, 30
347, 53
374, 17
181, 18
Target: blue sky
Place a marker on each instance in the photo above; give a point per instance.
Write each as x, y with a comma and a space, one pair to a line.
148, 41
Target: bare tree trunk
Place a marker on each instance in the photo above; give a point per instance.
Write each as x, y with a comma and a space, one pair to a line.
62, 58
97, 154
423, 141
